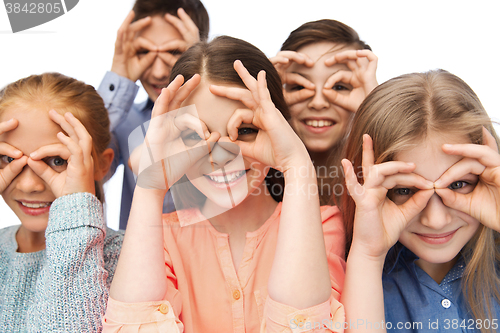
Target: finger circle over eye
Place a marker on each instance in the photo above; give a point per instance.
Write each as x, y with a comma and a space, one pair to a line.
239, 117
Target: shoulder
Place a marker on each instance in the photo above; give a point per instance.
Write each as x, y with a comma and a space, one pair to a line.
331, 214
7, 238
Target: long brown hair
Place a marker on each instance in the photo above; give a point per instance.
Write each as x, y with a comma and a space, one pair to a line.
214, 61
65, 94
398, 115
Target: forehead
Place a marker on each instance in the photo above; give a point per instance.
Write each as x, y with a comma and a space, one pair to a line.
319, 52
213, 110
160, 31
35, 128
430, 160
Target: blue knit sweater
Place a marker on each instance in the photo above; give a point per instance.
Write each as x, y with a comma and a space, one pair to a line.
65, 287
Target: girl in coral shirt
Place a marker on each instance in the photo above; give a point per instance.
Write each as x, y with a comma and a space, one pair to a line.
242, 253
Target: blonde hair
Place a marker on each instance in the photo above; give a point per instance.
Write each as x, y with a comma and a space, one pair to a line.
65, 94
398, 115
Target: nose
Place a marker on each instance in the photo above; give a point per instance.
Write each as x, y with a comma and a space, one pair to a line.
160, 70
28, 181
319, 101
221, 156
435, 215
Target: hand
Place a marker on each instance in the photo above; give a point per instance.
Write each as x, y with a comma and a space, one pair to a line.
276, 144
186, 27
483, 202
71, 166
164, 156
378, 221
296, 88
362, 78
133, 55
12, 160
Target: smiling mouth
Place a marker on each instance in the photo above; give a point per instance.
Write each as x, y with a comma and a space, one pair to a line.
227, 178
437, 238
159, 87
35, 205
319, 123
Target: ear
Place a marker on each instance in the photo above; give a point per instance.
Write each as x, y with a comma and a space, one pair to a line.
105, 163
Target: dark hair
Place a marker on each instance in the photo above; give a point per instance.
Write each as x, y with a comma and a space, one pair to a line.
214, 61
194, 8
323, 31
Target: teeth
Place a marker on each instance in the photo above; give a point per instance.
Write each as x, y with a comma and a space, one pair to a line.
35, 205
230, 177
319, 123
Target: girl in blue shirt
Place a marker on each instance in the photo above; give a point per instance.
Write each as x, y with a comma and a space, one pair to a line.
423, 174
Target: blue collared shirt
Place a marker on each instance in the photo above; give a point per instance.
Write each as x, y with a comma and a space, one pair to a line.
118, 94
414, 302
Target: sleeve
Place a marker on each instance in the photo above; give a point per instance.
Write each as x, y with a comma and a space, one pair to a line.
328, 316
71, 290
118, 94
144, 317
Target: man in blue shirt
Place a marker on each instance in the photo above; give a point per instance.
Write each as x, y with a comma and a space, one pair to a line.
148, 44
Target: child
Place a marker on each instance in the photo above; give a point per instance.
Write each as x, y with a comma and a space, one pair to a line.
327, 71
57, 266
148, 44
241, 261
423, 209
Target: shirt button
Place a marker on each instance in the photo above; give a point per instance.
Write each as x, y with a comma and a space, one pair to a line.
163, 308
236, 294
299, 320
446, 303
111, 87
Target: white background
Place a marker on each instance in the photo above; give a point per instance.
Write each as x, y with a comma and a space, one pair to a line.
407, 36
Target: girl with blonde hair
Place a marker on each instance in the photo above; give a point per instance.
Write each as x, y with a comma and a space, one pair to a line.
422, 213
57, 265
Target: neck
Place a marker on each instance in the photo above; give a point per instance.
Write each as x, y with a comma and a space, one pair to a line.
319, 159
436, 271
244, 217
29, 241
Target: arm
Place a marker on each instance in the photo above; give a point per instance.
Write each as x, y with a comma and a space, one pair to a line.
72, 290
378, 222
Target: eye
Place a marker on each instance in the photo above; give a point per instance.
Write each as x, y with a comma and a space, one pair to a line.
462, 186
142, 52
190, 138
4, 160
293, 87
57, 163
341, 87
400, 195
247, 131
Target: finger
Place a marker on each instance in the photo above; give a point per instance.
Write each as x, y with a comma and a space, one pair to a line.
292, 79
184, 91
160, 106
11, 171
235, 93
264, 95
368, 160
9, 125
249, 81
378, 173
45, 172
483, 153
489, 140
407, 179
352, 184
143, 43
84, 138
240, 116
185, 121
344, 56
298, 96
57, 149
278, 60
341, 76
168, 58
61, 121
176, 45
297, 57
455, 200
415, 204
139, 24
77, 154
126, 23
186, 27
146, 61
457, 171
8, 150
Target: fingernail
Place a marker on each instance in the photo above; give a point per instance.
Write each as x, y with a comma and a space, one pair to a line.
33, 154
410, 163
207, 135
447, 146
